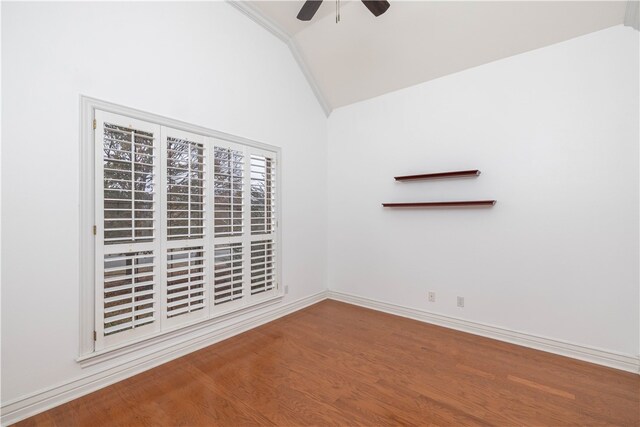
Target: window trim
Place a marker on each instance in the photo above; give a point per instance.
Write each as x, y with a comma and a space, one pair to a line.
86, 352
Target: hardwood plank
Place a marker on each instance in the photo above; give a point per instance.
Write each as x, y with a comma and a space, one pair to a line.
542, 387
339, 364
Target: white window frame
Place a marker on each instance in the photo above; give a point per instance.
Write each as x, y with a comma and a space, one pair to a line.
88, 206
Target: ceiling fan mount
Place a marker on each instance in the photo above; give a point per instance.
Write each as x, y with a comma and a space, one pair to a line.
310, 7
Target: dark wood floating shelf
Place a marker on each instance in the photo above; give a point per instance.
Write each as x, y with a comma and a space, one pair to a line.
440, 204
474, 172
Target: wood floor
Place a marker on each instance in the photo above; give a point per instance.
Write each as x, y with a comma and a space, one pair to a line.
338, 364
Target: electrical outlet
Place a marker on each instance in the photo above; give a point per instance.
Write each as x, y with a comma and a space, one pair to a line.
286, 289
461, 302
432, 297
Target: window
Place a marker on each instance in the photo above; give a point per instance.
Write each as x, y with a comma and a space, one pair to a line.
185, 227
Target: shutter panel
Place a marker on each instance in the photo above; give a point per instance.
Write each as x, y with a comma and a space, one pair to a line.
263, 213
229, 268
128, 162
185, 280
129, 288
184, 216
229, 183
185, 188
262, 266
263, 223
127, 244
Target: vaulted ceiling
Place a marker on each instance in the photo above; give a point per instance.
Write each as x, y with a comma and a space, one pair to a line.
415, 41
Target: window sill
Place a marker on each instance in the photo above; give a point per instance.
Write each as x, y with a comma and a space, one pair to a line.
105, 355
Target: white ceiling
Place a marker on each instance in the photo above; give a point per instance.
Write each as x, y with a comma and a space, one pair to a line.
416, 41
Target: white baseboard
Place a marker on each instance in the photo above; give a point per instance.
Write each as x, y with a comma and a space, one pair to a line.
588, 354
24, 407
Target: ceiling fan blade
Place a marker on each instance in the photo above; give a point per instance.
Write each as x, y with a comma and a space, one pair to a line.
377, 7
309, 8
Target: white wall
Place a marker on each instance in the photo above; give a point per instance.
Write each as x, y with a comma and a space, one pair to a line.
203, 63
555, 134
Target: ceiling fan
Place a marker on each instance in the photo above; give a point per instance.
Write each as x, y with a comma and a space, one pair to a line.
310, 7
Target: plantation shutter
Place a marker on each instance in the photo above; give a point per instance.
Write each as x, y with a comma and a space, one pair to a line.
127, 232
185, 228
263, 222
185, 208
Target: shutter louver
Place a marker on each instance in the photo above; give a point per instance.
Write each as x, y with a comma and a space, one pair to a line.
228, 190
263, 212
262, 266
228, 280
185, 280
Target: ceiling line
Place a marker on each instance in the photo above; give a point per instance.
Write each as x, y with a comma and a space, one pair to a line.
255, 15
632, 14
